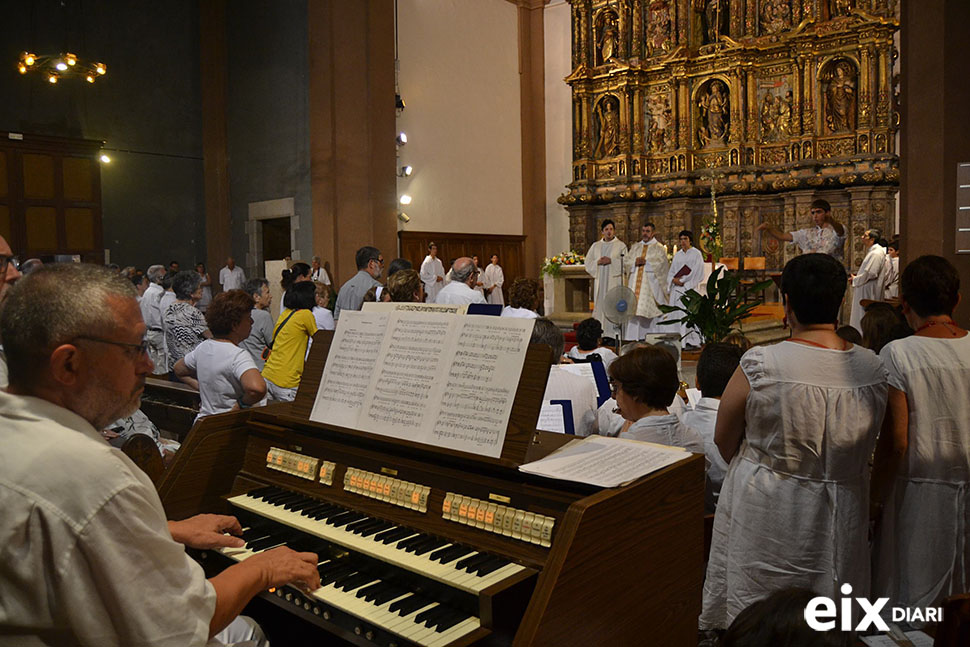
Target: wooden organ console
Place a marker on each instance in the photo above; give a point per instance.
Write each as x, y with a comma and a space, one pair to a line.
426, 546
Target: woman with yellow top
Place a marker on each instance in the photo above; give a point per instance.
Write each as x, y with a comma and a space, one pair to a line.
293, 330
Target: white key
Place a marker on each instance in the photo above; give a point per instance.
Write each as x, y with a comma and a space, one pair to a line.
462, 628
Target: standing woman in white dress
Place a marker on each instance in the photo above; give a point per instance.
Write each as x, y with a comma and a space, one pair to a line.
494, 278
921, 474
604, 262
797, 424
432, 273
206, 288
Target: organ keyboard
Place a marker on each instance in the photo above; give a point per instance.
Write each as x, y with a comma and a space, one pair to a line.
423, 546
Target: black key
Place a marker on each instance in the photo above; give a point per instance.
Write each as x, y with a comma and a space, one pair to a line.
255, 532
491, 566
264, 543
396, 606
385, 533
436, 555
472, 563
360, 579
366, 521
343, 521
298, 504
328, 512
419, 545
410, 541
259, 492
329, 566
313, 509
265, 493
376, 529
430, 546
344, 570
306, 505
456, 554
351, 572
412, 604
360, 528
451, 620
427, 613
388, 595
370, 591
395, 535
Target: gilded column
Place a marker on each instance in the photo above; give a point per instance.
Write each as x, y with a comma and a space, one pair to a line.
752, 102
636, 37
683, 21
865, 88
637, 120
796, 75
808, 89
751, 19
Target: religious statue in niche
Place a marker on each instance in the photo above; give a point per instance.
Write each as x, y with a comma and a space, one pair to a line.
717, 16
775, 16
776, 116
609, 40
660, 123
768, 114
608, 115
658, 27
785, 108
840, 97
715, 114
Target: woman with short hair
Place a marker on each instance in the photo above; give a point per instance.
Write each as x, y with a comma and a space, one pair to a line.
644, 382
321, 312
523, 299
224, 373
921, 473
406, 286
294, 328
797, 424
184, 325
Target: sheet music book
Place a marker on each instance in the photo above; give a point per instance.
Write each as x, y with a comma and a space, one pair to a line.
605, 462
424, 376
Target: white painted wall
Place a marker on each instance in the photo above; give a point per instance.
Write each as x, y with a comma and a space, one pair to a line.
459, 75
558, 123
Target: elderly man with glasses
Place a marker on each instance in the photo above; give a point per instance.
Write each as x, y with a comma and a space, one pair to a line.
9, 272
88, 557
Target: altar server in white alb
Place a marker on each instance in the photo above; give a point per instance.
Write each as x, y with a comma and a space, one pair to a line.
870, 281
648, 265
432, 273
686, 273
492, 282
604, 262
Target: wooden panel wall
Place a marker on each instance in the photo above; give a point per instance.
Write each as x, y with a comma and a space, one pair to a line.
510, 250
50, 197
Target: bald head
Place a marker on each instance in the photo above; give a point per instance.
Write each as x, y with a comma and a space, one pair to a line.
463, 270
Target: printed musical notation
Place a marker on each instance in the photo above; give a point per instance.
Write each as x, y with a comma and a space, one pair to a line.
430, 377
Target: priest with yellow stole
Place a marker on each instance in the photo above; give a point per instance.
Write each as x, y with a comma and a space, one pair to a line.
648, 266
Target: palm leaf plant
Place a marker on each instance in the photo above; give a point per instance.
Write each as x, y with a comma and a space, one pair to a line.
715, 314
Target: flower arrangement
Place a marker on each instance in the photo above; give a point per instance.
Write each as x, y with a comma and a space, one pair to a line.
553, 266
710, 239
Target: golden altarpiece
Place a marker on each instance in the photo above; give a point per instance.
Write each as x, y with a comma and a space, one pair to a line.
776, 102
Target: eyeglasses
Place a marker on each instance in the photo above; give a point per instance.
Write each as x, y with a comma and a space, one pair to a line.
135, 350
5, 260
614, 386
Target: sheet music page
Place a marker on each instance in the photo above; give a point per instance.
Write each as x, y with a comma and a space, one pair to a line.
409, 378
583, 370
552, 417
480, 384
693, 397
350, 366
605, 462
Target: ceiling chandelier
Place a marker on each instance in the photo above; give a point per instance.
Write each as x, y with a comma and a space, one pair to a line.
55, 67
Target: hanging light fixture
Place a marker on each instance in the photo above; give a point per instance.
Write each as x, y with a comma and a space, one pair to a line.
57, 66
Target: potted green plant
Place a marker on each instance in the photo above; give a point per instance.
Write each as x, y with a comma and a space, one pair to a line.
715, 314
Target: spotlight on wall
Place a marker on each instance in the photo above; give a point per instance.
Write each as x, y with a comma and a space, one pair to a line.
406, 171
105, 159
403, 217
399, 104
402, 138
405, 199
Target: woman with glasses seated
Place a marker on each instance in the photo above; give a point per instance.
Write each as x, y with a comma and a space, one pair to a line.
225, 374
644, 382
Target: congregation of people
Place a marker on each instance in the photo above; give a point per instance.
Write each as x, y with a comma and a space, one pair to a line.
834, 457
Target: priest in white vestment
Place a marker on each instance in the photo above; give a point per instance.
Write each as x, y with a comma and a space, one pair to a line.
870, 281
494, 277
686, 273
648, 265
432, 273
604, 262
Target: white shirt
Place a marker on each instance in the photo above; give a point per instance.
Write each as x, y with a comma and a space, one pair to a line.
869, 283
219, 366
922, 548
232, 279
563, 385
100, 567
320, 275
521, 313
149, 305
820, 240
493, 277
665, 430
605, 354
702, 419
324, 318
459, 293
794, 505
